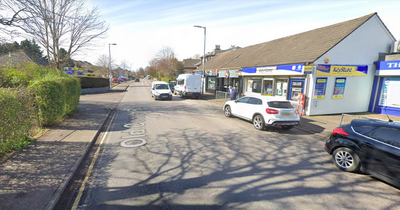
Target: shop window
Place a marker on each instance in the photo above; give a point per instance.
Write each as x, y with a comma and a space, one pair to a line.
268, 85
254, 86
389, 92
211, 83
281, 87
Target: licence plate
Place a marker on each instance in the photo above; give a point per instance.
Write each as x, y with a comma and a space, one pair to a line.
287, 114
189, 93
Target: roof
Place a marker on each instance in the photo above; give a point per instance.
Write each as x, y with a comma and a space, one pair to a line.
190, 63
20, 57
305, 47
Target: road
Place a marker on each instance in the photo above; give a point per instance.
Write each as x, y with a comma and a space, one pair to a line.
196, 158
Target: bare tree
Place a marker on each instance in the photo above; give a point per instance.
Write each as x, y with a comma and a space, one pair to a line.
103, 63
8, 18
124, 65
59, 23
167, 63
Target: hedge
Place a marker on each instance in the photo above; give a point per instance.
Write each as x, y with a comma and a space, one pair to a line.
56, 97
16, 116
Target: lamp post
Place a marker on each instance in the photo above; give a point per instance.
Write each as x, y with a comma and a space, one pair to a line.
204, 58
109, 55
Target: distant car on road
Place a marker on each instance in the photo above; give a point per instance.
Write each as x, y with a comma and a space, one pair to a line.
263, 111
137, 79
367, 145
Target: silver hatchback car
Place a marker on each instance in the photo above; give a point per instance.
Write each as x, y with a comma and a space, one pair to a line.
263, 111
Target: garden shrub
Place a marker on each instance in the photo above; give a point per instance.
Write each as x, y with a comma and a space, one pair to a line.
16, 115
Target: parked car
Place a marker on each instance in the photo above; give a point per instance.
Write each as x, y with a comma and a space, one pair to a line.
188, 85
160, 90
367, 145
263, 111
117, 80
172, 86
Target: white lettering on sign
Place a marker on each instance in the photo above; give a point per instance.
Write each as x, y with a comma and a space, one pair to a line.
393, 65
133, 139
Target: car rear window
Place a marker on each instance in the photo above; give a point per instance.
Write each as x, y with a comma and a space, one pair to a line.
280, 104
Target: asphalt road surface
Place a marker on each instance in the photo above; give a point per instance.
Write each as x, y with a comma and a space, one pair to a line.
193, 157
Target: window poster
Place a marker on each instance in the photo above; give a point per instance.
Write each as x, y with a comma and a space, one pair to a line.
320, 87
389, 92
338, 90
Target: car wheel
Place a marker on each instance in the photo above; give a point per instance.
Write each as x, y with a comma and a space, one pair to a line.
228, 111
182, 95
258, 122
346, 159
287, 127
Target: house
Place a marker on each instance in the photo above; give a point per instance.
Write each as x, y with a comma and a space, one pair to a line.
189, 65
333, 66
21, 58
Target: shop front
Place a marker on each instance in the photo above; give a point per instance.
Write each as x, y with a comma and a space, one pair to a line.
211, 81
284, 81
339, 88
385, 97
228, 77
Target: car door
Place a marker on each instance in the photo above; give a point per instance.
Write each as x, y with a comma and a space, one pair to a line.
384, 153
254, 105
240, 106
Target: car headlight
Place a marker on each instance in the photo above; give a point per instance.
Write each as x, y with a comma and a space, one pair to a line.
157, 93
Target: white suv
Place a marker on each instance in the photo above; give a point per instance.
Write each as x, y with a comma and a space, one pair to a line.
263, 111
161, 90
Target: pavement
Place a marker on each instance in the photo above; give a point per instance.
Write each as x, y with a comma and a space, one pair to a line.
35, 177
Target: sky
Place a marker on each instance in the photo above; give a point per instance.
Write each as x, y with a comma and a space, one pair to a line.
141, 28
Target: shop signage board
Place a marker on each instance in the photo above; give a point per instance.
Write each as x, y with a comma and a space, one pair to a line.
280, 70
308, 69
341, 70
320, 87
388, 68
338, 90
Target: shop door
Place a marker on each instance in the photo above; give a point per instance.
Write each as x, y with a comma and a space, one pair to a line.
267, 85
296, 87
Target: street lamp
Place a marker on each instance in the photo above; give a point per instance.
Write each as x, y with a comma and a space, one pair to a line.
204, 58
109, 55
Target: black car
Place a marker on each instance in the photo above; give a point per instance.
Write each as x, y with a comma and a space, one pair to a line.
371, 146
137, 79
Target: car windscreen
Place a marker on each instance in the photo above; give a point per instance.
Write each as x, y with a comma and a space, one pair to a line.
280, 104
162, 87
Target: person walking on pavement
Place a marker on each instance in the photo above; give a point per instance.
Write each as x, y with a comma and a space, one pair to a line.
233, 93
230, 88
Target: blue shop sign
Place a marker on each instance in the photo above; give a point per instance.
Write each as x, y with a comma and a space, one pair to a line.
275, 70
387, 65
388, 68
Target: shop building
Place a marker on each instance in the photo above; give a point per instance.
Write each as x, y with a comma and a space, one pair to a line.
333, 65
385, 97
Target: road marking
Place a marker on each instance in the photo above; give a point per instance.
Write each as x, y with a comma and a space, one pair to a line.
80, 193
134, 134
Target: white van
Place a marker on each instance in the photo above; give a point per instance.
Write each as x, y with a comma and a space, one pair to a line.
188, 85
160, 90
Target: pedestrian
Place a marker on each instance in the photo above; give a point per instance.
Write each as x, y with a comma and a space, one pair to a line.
230, 88
233, 93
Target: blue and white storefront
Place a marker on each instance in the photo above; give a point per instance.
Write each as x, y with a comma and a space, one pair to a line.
282, 81
385, 97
